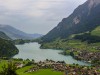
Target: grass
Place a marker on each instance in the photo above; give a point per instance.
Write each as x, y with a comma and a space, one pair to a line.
22, 70
40, 72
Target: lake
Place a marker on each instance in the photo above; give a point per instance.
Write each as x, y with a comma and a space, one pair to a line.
33, 51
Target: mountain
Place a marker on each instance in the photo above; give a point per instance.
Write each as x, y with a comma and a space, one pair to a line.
14, 33
35, 35
4, 36
7, 49
85, 18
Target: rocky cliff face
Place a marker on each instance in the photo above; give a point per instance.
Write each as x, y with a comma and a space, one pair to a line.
84, 18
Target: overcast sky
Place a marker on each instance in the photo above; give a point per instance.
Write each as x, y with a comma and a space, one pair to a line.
36, 16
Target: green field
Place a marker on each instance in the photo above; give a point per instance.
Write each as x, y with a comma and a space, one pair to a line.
40, 72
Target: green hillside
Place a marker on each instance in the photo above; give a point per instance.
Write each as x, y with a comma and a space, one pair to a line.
96, 31
91, 36
75, 40
7, 49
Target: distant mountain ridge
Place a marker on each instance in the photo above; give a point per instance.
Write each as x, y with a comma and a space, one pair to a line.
14, 33
84, 18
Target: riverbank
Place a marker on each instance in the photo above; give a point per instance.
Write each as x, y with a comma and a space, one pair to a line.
77, 49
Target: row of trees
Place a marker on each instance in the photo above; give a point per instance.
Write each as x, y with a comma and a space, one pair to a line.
88, 37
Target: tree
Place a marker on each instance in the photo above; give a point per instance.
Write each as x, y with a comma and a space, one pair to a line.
9, 69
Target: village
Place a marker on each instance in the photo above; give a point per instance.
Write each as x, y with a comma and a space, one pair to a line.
92, 57
89, 56
60, 66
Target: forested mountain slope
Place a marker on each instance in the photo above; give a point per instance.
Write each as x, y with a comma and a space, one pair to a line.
7, 49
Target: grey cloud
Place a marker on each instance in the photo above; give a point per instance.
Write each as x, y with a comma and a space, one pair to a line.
36, 16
